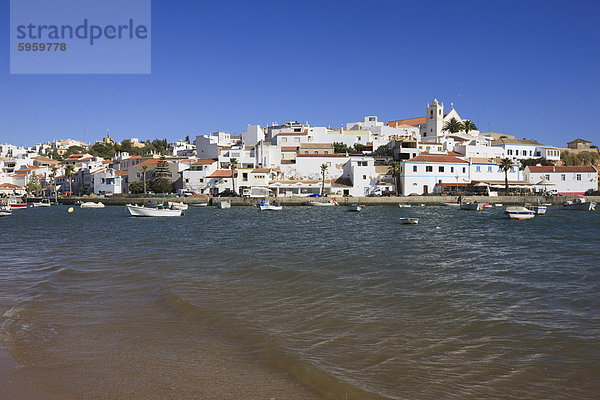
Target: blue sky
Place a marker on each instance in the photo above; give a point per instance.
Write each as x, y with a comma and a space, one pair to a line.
527, 68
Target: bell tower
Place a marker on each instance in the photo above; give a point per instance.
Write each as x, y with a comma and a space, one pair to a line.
435, 120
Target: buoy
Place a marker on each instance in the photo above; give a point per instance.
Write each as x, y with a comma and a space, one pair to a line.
70, 209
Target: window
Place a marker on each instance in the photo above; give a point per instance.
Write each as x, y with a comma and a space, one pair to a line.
478, 168
297, 140
305, 151
316, 152
509, 152
562, 177
578, 177
451, 169
547, 177
244, 176
414, 168
364, 177
489, 169
441, 169
201, 180
284, 140
464, 170
427, 148
326, 152
428, 168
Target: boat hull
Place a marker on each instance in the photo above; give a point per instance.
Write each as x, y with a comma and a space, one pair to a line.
139, 211
223, 204
91, 204
409, 221
472, 206
354, 207
269, 207
519, 213
5, 213
538, 210
587, 206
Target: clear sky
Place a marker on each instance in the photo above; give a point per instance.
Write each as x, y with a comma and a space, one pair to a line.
526, 68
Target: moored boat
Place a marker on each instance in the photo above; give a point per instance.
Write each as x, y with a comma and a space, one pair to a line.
5, 211
450, 204
160, 211
16, 203
199, 204
538, 209
329, 203
223, 204
471, 206
409, 221
178, 204
91, 204
579, 203
355, 207
266, 206
43, 203
518, 212
403, 205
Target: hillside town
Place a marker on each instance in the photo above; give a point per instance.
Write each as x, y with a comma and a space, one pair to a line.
440, 152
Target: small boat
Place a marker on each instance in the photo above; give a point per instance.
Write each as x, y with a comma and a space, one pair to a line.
538, 209
5, 211
43, 203
487, 205
498, 204
199, 204
518, 212
451, 204
409, 221
403, 205
329, 203
16, 203
91, 204
471, 206
355, 207
160, 211
266, 206
223, 204
579, 203
179, 205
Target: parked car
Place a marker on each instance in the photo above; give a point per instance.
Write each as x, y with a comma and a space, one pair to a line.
227, 193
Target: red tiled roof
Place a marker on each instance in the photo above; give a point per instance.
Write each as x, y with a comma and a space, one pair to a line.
106, 161
437, 159
439, 144
409, 121
289, 148
151, 162
304, 132
578, 168
221, 173
19, 175
8, 186
121, 172
205, 161
262, 170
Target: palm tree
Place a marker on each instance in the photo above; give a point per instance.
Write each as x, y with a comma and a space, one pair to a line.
144, 170
505, 165
323, 169
468, 125
53, 180
69, 173
453, 126
394, 170
232, 165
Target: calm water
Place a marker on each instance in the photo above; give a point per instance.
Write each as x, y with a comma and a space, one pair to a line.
466, 304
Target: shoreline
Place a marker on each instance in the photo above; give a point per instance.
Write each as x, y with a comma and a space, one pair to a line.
300, 201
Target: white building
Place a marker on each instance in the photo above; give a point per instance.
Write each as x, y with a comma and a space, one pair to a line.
109, 181
195, 178
567, 181
519, 149
422, 173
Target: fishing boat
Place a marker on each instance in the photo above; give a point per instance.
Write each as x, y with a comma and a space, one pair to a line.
329, 203
266, 206
450, 204
403, 205
409, 221
178, 204
223, 204
5, 211
518, 212
43, 203
538, 209
16, 203
579, 203
160, 211
91, 204
355, 207
471, 206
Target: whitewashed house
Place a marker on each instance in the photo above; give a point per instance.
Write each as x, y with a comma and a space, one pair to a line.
109, 181
195, 178
567, 181
519, 149
421, 174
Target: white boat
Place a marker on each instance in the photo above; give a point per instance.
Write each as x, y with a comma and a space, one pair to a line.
43, 203
538, 209
355, 207
266, 206
5, 211
223, 204
199, 204
579, 204
91, 204
160, 211
179, 205
471, 206
409, 221
518, 212
403, 205
451, 204
16, 203
323, 204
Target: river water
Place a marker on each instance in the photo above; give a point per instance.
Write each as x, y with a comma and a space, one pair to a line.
308, 302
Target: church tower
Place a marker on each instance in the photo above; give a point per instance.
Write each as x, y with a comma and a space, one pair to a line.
435, 121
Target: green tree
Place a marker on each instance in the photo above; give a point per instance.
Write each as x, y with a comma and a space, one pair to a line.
74, 150
453, 126
52, 176
505, 165
359, 148
323, 170
69, 174
468, 126
233, 165
33, 184
384, 150
341, 148
162, 177
104, 150
394, 170
136, 187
